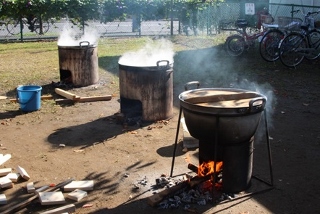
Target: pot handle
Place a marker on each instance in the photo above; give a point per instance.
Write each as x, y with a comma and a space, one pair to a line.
163, 61
191, 83
80, 43
257, 104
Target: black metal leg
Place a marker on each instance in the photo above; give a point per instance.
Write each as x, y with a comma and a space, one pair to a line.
269, 148
215, 153
175, 143
269, 153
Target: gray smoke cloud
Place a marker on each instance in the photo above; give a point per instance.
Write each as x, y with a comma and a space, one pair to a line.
74, 37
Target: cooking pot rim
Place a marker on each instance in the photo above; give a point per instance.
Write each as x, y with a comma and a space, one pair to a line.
256, 104
79, 47
169, 65
218, 89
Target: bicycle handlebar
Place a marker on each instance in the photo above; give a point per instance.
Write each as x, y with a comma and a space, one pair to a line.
294, 11
311, 13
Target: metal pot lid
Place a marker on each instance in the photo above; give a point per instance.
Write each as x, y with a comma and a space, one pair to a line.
160, 64
222, 98
82, 44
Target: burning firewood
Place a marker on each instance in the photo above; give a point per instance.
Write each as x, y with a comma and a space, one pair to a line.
158, 197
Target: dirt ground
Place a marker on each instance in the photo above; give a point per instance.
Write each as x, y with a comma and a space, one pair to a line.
118, 158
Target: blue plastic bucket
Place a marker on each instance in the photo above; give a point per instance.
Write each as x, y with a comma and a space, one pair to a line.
29, 97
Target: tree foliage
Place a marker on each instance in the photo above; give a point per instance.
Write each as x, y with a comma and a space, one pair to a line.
104, 10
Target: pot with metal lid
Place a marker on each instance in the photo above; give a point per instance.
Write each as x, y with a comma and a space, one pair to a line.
232, 113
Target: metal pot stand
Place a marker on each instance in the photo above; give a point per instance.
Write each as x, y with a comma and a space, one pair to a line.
269, 183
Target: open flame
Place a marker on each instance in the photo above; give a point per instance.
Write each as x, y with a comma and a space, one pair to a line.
207, 168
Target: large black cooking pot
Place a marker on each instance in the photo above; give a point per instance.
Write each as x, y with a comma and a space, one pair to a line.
233, 114
79, 64
151, 85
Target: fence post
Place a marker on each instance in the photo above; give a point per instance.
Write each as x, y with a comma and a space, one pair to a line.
21, 29
171, 16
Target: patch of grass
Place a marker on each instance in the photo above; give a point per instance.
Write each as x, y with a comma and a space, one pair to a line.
38, 62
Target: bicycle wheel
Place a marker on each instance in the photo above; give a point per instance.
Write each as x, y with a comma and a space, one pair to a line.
38, 29
235, 45
269, 45
290, 55
13, 27
314, 42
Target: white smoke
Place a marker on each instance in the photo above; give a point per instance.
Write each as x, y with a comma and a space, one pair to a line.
71, 37
148, 56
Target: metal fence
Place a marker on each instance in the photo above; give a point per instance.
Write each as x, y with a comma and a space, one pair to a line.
204, 22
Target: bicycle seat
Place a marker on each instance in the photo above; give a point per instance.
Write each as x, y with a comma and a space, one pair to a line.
241, 23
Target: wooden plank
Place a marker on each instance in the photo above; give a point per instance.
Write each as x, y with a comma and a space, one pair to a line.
5, 182
19, 206
77, 194
95, 98
3, 199
41, 189
66, 94
83, 185
5, 158
23, 173
44, 97
70, 208
13, 176
30, 187
5, 171
51, 198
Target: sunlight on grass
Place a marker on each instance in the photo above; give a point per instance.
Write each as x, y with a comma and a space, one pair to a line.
38, 62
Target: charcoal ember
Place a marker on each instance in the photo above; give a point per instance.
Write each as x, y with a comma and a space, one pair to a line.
177, 198
170, 184
202, 202
162, 181
174, 203
226, 196
186, 198
163, 205
135, 186
187, 206
143, 181
207, 196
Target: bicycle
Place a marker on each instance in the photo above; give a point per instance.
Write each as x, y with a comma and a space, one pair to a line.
299, 45
269, 44
236, 44
36, 25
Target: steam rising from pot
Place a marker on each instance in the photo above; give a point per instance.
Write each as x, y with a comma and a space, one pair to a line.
150, 54
70, 37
